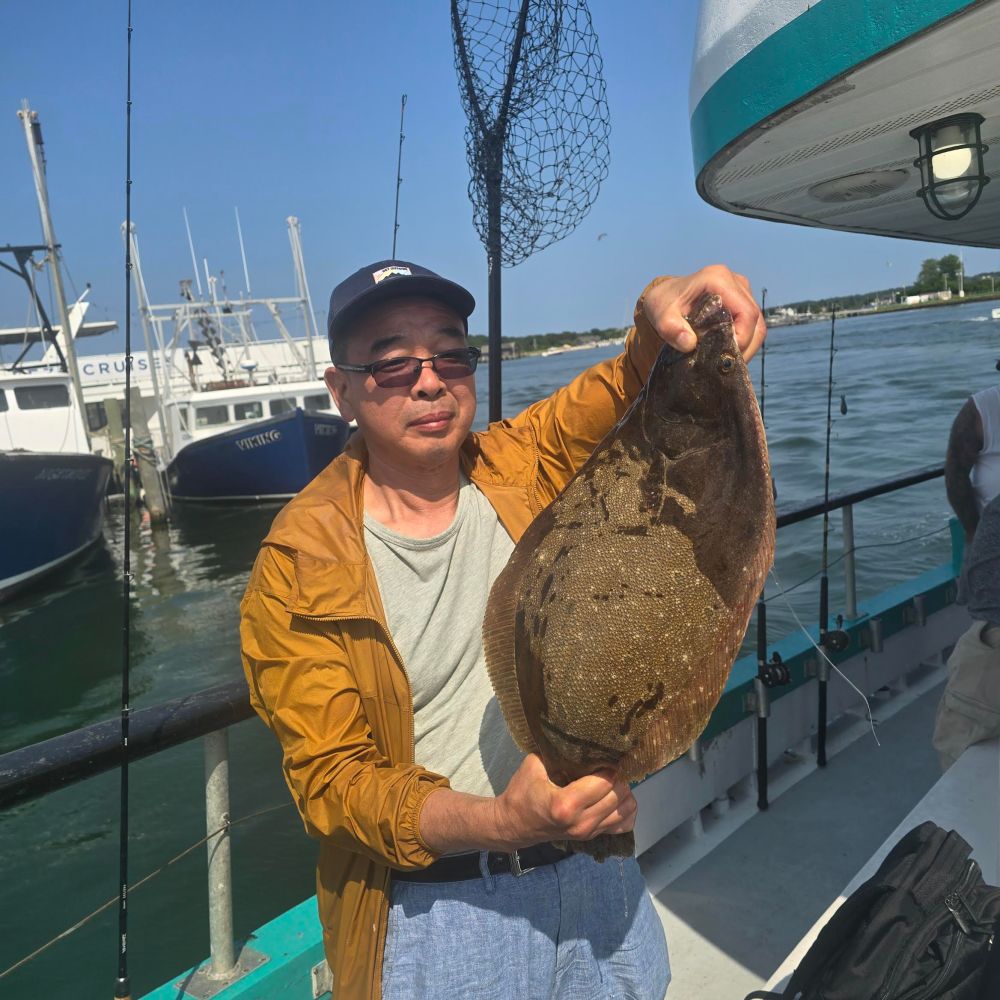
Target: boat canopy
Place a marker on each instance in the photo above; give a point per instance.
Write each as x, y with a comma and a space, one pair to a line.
804, 112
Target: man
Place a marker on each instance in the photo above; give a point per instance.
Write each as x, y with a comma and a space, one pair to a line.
972, 464
969, 710
361, 642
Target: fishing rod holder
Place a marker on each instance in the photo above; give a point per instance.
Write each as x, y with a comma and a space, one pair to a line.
871, 638
916, 613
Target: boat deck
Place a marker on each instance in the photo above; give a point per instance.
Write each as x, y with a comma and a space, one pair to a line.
733, 915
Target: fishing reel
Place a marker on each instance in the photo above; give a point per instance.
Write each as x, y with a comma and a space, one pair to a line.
774, 673
835, 640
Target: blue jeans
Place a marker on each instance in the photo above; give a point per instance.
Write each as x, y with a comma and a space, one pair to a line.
579, 930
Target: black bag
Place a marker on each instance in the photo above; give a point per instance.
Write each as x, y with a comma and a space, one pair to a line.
920, 929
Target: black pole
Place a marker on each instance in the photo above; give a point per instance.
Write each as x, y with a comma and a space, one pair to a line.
824, 583
494, 252
762, 802
123, 990
399, 175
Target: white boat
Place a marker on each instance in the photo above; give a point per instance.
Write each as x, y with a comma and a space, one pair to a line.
995, 314
52, 483
52, 487
250, 432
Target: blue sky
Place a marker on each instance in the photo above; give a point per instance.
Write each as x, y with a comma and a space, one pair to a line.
293, 109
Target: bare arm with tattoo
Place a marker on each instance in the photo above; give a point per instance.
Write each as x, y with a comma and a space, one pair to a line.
964, 446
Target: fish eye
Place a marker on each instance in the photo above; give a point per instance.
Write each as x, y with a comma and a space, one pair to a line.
726, 363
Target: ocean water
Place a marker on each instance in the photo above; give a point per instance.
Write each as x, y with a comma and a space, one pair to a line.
903, 377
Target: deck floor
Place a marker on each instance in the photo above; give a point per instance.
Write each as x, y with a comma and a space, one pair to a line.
733, 916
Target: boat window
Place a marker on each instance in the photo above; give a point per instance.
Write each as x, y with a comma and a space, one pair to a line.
97, 416
248, 411
321, 401
41, 397
4, 405
209, 416
279, 406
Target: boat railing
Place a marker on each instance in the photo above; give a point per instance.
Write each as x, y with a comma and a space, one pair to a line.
37, 770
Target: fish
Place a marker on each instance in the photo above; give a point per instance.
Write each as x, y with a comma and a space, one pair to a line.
611, 631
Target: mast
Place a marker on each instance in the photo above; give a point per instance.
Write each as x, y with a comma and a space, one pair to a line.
33, 136
295, 238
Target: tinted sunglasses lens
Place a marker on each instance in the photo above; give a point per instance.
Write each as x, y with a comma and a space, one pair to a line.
396, 374
459, 364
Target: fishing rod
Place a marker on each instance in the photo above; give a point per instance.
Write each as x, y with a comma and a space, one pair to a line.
399, 176
773, 672
123, 989
835, 640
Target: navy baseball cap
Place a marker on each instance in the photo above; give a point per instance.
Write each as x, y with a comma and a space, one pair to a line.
391, 279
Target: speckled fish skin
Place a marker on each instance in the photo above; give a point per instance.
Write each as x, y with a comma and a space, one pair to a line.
610, 633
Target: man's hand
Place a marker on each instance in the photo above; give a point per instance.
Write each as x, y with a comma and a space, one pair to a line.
532, 809
670, 300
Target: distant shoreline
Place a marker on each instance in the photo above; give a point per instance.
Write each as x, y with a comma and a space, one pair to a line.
776, 324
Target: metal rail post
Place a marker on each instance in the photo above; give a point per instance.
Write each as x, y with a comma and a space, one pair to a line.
850, 581
220, 885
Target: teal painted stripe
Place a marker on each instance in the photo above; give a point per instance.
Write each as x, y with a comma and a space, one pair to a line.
827, 40
293, 944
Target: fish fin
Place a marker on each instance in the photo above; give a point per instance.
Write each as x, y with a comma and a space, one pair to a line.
607, 845
499, 646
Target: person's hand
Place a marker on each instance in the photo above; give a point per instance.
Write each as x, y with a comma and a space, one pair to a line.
670, 300
532, 809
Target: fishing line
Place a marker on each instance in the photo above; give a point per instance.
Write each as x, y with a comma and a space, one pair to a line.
822, 652
859, 548
157, 871
123, 989
837, 639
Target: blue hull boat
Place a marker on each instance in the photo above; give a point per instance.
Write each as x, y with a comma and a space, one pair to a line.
52, 505
265, 460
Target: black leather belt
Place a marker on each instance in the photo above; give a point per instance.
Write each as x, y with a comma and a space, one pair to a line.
459, 867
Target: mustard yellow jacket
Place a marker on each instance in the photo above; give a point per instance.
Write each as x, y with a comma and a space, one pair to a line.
326, 677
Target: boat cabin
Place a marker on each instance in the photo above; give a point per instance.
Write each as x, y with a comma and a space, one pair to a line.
203, 414
39, 413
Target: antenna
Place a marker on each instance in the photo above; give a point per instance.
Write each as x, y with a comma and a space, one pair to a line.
243, 253
194, 261
399, 178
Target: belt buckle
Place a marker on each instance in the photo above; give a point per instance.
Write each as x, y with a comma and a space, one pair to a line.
515, 865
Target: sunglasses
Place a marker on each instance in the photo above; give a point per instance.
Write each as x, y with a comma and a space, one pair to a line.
400, 373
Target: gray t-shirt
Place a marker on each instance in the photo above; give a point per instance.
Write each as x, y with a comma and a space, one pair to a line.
434, 591
982, 567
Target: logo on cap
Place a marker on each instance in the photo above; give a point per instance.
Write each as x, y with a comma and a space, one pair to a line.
389, 272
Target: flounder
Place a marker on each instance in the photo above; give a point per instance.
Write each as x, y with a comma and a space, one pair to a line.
610, 633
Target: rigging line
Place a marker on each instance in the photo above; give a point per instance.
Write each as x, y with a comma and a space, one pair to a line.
123, 989
858, 548
822, 652
83, 921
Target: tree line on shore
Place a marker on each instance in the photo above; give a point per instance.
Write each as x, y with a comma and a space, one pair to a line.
936, 274
536, 343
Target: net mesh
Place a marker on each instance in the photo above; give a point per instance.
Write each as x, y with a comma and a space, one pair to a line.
532, 86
